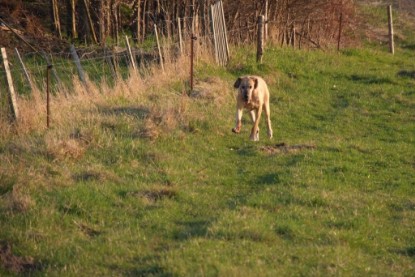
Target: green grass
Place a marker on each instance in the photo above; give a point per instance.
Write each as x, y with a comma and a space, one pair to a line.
199, 200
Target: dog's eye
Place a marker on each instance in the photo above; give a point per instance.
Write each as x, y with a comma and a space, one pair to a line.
250, 87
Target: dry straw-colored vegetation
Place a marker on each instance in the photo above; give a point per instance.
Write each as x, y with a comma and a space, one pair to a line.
154, 102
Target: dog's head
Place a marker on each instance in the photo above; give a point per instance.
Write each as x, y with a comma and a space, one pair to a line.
246, 86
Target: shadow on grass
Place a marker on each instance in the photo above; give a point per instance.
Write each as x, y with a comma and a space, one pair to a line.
369, 80
407, 74
142, 266
137, 112
408, 46
409, 252
191, 229
268, 179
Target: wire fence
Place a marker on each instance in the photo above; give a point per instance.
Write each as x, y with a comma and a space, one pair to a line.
98, 63
108, 64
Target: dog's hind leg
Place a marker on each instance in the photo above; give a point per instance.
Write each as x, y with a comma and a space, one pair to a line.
268, 118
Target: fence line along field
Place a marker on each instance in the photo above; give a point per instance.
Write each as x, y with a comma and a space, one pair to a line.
140, 175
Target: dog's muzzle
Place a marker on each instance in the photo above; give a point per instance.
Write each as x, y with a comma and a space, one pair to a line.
245, 97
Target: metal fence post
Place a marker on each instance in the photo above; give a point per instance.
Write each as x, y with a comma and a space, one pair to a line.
192, 44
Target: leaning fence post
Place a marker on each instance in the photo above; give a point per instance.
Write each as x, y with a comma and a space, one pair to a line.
390, 21
26, 73
158, 46
179, 27
260, 43
75, 57
130, 53
12, 94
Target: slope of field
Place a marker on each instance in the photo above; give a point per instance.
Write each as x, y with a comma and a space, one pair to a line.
139, 180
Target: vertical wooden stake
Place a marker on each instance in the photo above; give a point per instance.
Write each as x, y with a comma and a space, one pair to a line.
391, 40
293, 37
49, 67
12, 94
26, 73
179, 27
91, 24
225, 34
110, 64
130, 53
192, 39
75, 57
260, 43
212, 13
159, 48
340, 31
219, 38
266, 22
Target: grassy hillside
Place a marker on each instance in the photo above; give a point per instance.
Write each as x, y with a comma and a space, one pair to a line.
139, 180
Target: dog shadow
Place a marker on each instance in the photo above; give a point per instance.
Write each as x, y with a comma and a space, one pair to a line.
269, 179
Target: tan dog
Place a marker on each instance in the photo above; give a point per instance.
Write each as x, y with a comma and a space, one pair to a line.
253, 95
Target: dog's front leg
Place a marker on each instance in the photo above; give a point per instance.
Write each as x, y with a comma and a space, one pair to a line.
255, 129
268, 118
238, 123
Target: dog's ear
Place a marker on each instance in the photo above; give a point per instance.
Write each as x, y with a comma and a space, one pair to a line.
237, 83
255, 82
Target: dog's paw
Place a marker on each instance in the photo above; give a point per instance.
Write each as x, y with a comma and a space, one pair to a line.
270, 135
254, 137
236, 130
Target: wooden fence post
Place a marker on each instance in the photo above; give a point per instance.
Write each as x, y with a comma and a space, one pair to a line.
225, 33
192, 39
26, 73
179, 27
90, 22
159, 48
266, 21
75, 57
130, 53
340, 31
12, 94
391, 40
109, 62
260, 43
219, 33
293, 37
213, 21
48, 68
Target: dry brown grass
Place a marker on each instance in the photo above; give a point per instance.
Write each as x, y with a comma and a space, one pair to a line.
149, 106
80, 107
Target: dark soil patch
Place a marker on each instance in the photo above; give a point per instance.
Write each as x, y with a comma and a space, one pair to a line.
89, 231
283, 148
16, 264
154, 195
